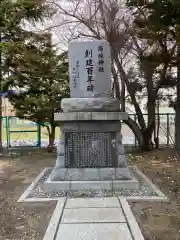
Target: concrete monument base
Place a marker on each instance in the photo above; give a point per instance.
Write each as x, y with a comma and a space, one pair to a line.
90, 154
67, 179
90, 139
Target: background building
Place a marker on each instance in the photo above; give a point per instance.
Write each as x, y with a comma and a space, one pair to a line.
7, 108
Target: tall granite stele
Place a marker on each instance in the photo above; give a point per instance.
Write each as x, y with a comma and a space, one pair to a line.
90, 154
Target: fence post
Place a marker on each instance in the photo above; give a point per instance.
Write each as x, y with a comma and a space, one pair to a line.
39, 134
135, 119
7, 131
168, 132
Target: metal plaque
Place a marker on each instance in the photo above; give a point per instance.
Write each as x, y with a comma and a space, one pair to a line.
90, 149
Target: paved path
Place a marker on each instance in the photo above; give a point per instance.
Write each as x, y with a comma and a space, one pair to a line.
93, 219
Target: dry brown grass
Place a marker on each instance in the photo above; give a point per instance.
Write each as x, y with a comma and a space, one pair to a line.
22, 220
160, 221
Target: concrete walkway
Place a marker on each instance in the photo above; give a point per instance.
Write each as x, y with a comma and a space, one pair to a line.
93, 219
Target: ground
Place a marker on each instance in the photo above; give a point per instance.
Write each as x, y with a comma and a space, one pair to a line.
22, 221
158, 221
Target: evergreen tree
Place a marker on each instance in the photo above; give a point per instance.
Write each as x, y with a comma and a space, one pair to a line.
42, 78
14, 15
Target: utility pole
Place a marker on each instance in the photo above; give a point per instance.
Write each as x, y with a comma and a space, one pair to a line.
177, 118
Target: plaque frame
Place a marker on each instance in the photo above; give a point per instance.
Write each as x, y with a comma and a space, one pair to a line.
90, 149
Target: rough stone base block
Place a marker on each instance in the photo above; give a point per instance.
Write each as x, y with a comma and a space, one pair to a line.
90, 104
91, 179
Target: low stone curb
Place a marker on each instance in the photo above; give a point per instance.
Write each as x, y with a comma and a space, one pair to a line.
131, 221
160, 196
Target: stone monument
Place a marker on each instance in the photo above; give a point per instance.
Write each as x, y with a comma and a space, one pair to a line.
90, 154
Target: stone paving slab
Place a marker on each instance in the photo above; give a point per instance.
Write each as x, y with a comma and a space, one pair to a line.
93, 202
93, 219
93, 215
97, 231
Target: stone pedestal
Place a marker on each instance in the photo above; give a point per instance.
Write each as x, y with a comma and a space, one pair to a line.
90, 154
90, 140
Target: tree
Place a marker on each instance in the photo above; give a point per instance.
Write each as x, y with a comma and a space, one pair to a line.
159, 21
42, 76
13, 16
111, 20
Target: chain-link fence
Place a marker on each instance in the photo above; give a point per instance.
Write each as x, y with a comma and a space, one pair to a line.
166, 123
19, 132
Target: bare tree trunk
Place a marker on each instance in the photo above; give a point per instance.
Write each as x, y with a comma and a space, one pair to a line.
143, 136
147, 139
51, 134
177, 117
151, 94
157, 127
148, 133
142, 132
116, 83
131, 93
123, 103
135, 129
